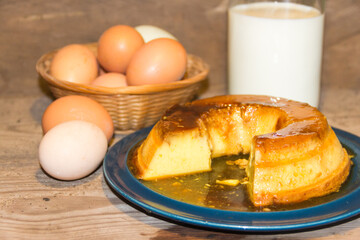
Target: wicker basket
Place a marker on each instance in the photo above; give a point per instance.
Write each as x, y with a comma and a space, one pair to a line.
132, 107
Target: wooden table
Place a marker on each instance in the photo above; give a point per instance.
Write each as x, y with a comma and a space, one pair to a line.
36, 206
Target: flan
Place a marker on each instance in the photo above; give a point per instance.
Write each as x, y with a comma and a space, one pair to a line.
294, 153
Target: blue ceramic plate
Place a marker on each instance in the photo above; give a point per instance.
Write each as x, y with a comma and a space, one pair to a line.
345, 206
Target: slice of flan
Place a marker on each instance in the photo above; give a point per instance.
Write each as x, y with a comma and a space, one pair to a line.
294, 153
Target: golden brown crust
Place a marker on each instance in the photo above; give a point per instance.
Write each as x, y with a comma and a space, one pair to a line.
295, 118
146, 149
328, 185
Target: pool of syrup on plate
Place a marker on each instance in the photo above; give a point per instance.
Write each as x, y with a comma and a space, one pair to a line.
201, 189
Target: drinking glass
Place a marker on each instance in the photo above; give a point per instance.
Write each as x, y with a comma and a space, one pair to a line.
275, 48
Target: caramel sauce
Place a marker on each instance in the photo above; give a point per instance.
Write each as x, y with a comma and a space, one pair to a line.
294, 117
201, 189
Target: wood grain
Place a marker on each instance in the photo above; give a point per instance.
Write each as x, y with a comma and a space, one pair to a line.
36, 206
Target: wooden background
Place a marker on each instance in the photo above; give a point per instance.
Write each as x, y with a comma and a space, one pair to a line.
35, 206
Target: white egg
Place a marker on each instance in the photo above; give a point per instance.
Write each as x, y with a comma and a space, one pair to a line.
72, 150
149, 32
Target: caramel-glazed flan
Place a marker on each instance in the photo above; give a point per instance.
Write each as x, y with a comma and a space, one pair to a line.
294, 153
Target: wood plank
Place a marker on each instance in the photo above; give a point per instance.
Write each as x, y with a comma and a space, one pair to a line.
36, 206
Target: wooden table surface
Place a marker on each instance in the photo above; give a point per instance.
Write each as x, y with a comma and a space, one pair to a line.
36, 206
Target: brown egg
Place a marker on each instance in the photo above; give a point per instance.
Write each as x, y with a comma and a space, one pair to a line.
161, 60
76, 107
116, 47
74, 63
110, 80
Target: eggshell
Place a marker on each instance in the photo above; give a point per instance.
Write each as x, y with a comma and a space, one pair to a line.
102, 71
76, 107
72, 150
116, 46
150, 32
161, 60
110, 80
74, 63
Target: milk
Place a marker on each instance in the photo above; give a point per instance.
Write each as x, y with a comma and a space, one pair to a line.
275, 49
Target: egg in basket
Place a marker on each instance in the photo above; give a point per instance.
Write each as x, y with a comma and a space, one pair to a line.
135, 78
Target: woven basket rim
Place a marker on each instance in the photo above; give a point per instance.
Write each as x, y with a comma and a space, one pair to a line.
143, 89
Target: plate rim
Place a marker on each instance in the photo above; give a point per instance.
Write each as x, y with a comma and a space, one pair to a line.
155, 209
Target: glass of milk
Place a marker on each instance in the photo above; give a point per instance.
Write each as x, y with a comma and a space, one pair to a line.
275, 48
